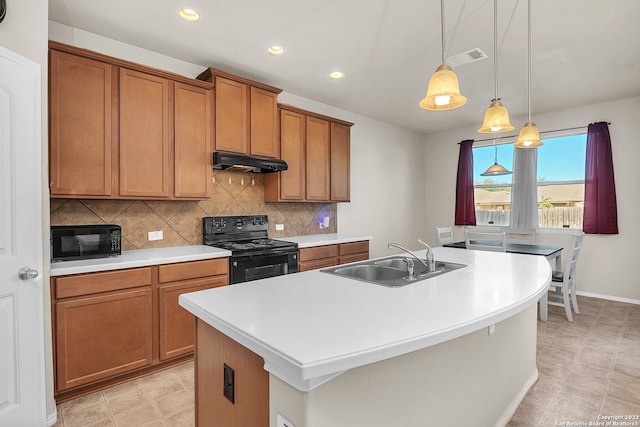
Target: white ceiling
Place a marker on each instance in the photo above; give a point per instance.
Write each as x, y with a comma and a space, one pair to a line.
583, 51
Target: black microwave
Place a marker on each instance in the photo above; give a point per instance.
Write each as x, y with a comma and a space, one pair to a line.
72, 242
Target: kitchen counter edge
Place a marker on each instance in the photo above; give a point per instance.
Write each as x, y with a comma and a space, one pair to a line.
138, 258
313, 240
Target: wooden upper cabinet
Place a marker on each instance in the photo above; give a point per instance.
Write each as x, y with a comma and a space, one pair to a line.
81, 93
145, 129
193, 135
232, 115
340, 161
289, 184
318, 159
112, 130
264, 123
246, 116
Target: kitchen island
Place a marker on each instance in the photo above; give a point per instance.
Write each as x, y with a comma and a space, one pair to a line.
456, 349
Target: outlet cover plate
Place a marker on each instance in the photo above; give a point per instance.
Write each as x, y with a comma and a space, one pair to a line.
279, 227
155, 235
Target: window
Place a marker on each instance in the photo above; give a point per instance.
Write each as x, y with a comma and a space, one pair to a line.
561, 163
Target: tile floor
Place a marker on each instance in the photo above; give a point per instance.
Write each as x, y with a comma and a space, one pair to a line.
587, 368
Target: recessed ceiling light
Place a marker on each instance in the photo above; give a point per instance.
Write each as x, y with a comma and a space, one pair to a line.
276, 50
189, 14
336, 75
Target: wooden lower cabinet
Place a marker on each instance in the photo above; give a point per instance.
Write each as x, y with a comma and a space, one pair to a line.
176, 324
317, 257
329, 255
250, 405
353, 251
102, 336
115, 325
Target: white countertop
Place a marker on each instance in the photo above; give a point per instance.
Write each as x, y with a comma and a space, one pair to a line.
138, 258
324, 239
309, 327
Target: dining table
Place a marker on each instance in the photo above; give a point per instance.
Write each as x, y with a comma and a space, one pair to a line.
551, 253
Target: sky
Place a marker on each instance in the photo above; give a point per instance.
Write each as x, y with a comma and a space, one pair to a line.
559, 159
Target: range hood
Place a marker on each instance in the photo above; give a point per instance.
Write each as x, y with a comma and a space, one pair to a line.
235, 162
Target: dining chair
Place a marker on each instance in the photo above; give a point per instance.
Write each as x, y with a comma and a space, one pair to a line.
496, 242
444, 235
527, 237
562, 291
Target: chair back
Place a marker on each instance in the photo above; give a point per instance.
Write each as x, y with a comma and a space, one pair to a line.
527, 237
572, 257
444, 235
496, 242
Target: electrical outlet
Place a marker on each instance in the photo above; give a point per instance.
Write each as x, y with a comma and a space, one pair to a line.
283, 422
155, 235
279, 227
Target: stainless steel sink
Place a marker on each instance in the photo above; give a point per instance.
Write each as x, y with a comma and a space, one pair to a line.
390, 271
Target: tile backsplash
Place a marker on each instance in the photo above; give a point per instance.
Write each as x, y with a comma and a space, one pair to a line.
181, 221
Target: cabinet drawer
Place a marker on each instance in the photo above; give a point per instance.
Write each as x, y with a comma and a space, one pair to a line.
318, 263
86, 284
345, 259
354, 248
318, 252
192, 270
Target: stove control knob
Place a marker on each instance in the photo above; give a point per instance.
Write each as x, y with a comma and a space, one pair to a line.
255, 221
261, 221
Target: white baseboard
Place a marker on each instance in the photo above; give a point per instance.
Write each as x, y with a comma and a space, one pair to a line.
513, 406
52, 419
609, 297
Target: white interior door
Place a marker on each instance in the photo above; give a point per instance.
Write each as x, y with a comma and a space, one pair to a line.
22, 384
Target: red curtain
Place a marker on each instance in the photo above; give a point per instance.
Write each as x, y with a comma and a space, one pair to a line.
465, 207
600, 207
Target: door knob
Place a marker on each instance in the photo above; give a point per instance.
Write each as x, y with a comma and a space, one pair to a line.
26, 273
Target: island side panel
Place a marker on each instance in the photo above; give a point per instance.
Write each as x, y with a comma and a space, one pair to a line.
477, 379
251, 382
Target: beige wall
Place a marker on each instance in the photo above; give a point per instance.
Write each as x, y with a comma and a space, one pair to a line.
607, 264
24, 30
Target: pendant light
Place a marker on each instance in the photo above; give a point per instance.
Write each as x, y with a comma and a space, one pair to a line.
496, 169
496, 118
443, 91
529, 136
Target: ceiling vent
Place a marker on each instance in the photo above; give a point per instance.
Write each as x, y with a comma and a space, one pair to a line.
467, 57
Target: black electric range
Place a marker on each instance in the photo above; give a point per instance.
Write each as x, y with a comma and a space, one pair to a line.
253, 254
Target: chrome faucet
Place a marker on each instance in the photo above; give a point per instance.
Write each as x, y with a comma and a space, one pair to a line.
410, 267
429, 269
431, 260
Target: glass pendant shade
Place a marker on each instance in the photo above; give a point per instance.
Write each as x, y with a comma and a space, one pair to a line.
529, 137
496, 119
496, 169
443, 91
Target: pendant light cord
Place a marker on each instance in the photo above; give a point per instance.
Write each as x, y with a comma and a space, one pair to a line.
442, 27
495, 47
529, 58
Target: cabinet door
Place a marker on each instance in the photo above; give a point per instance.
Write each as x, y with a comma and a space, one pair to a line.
101, 336
318, 158
145, 126
193, 132
340, 151
176, 323
232, 115
264, 123
292, 181
80, 101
